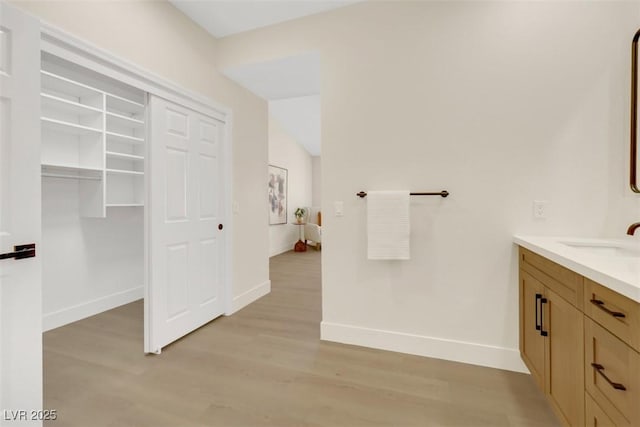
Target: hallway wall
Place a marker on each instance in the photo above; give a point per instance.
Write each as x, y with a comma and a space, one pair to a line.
501, 104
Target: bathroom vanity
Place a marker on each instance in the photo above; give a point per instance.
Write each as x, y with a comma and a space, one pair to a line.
580, 326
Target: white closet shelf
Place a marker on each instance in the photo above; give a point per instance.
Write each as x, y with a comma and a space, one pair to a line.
69, 168
122, 106
67, 127
70, 171
116, 155
124, 205
76, 108
55, 83
124, 172
119, 120
106, 118
118, 137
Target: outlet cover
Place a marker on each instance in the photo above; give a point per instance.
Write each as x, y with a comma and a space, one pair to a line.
540, 208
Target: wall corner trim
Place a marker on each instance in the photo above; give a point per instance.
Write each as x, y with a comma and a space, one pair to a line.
252, 295
438, 348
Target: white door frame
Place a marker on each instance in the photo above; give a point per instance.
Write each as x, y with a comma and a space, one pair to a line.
69, 47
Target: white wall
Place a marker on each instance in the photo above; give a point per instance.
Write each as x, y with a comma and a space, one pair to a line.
286, 153
88, 264
501, 103
159, 38
316, 178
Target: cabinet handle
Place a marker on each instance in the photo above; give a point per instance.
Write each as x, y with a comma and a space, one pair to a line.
542, 331
600, 304
600, 369
538, 325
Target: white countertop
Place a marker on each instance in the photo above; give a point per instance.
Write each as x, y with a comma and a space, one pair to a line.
616, 272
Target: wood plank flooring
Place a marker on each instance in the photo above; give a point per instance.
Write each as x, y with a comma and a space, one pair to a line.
265, 366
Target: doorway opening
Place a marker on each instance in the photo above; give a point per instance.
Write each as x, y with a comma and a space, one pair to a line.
291, 85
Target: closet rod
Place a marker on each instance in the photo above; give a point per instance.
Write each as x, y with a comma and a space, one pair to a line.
443, 193
54, 175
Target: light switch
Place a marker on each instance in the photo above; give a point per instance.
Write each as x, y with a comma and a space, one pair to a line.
338, 208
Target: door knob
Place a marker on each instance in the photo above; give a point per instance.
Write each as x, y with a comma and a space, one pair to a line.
21, 252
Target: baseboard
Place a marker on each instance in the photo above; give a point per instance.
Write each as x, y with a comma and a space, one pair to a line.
282, 249
439, 348
288, 248
90, 308
246, 298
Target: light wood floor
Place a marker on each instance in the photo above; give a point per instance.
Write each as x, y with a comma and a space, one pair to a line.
265, 366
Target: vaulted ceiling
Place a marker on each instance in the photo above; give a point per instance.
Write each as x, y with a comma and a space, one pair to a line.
224, 17
292, 84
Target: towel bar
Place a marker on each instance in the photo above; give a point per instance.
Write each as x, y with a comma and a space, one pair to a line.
443, 193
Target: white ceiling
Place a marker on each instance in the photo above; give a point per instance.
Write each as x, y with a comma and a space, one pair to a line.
301, 119
292, 87
280, 78
288, 77
290, 84
225, 17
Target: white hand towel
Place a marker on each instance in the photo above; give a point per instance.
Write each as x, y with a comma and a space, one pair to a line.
388, 224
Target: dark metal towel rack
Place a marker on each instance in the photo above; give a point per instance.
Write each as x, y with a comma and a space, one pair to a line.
443, 193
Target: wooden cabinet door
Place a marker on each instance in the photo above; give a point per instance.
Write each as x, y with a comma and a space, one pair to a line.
531, 340
564, 362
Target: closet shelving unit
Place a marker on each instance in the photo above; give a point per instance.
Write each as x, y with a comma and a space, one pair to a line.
124, 151
96, 137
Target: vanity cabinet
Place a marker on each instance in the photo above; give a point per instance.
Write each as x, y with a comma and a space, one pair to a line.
612, 370
580, 340
612, 361
594, 415
532, 341
614, 312
551, 334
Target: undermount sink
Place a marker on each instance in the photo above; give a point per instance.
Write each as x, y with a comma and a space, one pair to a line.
607, 249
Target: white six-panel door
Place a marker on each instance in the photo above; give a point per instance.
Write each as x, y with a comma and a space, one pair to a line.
20, 218
187, 245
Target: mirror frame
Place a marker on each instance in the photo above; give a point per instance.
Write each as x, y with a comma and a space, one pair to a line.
633, 166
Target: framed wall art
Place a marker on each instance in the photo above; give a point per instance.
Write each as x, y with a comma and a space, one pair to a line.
277, 195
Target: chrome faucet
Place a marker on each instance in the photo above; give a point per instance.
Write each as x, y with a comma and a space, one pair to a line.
632, 228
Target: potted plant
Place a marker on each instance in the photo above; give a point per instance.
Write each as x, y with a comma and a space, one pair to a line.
299, 213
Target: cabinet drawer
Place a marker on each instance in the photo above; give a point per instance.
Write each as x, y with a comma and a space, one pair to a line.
618, 314
612, 372
595, 416
564, 282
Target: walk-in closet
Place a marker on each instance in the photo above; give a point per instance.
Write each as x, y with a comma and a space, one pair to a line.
93, 191
134, 195
114, 188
